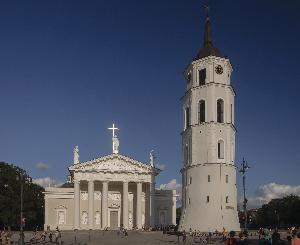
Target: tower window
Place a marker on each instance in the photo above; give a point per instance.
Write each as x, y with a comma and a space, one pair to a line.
226, 178
201, 111
189, 78
186, 154
190, 180
202, 76
189, 200
208, 178
221, 149
220, 111
227, 199
231, 118
187, 117
207, 199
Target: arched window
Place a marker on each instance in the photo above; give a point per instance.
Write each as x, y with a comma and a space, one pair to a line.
186, 154
220, 111
202, 76
227, 199
231, 116
201, 111
187, 117
221, 149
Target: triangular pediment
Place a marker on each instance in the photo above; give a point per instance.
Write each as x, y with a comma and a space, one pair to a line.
113, 163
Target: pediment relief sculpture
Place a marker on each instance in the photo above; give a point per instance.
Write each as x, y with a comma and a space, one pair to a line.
97, 195
114, 196
84, 195
114, 162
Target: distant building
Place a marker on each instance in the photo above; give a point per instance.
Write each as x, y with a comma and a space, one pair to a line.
209, 192
109, 191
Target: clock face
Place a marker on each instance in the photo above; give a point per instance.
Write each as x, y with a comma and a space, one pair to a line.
219, 69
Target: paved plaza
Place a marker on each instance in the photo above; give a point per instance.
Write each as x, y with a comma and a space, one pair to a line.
112, 237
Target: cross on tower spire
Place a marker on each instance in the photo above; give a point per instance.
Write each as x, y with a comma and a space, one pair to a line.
206, 9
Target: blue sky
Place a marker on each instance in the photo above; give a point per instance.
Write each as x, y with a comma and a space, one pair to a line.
68, 69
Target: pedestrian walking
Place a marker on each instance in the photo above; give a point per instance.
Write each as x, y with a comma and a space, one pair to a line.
184, 236
50, 237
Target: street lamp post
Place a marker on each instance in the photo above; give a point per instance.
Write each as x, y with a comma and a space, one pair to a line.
243, 169
277, 219
21, 177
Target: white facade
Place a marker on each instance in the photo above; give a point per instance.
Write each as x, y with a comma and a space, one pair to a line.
107, 192
209, 199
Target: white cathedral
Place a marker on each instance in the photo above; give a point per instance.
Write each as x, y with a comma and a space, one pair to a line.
105, 192
209, 192
114, 189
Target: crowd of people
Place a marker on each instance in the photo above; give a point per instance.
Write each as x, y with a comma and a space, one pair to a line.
37, 237
54, 237
5, 236
265, 237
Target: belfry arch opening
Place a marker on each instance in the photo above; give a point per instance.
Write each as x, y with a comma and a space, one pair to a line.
220, 111
220, 149
201, 111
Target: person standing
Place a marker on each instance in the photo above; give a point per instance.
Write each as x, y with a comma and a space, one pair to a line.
295, 238
276, 237
231, 240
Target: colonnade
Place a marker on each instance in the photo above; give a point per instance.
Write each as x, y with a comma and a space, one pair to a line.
104, 204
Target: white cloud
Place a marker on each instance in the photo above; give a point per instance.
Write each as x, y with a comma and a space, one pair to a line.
161, 166
47, 181
267, 192
173, 185
42, 166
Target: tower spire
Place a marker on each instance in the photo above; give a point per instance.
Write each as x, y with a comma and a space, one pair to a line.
208, 49
207, 28
207, 32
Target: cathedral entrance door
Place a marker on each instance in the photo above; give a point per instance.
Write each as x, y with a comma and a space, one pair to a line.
113, 219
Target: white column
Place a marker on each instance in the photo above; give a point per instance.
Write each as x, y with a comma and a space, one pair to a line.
76, 204
139, 205
91, 204
104, 203
174, 208
152, 201
125, 204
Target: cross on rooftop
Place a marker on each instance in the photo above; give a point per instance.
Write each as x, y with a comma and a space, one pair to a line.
113, 130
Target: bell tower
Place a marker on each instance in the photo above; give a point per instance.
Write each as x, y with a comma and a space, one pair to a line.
209, 194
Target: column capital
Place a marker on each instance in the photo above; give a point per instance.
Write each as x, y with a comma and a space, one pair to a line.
76, 181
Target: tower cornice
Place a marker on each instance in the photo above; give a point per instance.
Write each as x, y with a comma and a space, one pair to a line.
204, 124
207, 85
207, 164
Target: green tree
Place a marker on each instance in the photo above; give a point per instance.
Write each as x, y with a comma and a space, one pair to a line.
281, 212
10, 198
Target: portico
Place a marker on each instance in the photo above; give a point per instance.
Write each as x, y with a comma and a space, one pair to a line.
123, 189
112, 201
